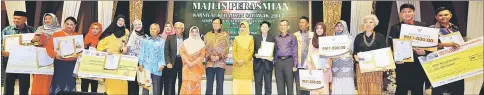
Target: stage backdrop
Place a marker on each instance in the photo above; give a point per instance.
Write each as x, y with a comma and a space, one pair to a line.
201, 13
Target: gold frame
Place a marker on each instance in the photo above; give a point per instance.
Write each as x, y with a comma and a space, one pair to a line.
411, 55
4, 45
60, 49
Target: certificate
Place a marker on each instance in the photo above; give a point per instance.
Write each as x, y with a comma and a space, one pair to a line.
420, 36
144, 78
27, 37
450, 65
29, 60
93, 65
376, 60
318, 61
311, 81
266, 51
11, 42
68, 45
403, 50
112, 62
334, 45
455, 37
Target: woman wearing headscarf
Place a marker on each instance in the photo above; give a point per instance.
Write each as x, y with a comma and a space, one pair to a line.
322, 63
133, 47
343, 73
63, 79
192, 53
168, 30
243, 70
90, 42
112, 41
41, 83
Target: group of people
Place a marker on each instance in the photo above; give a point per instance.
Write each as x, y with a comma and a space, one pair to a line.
169, 56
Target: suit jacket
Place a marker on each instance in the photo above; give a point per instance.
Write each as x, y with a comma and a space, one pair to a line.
257, 41
170, 49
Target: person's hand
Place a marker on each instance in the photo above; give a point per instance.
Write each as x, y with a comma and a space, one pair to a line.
419, 51
169, 66
36, 38
58, 57
140, 67
357, 59
454, 45
161, 68
76, 55
399, 62
125, 50
5, 54
294, 69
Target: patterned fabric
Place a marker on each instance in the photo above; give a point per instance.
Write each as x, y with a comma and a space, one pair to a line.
192, 75
152, 55
134, 44
305, 44
369, 83
217, 45
10, 30
444, 30
343, 68
63, 79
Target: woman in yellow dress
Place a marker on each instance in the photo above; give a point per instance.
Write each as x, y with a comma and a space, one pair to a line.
242, 50
112, 41
192, 56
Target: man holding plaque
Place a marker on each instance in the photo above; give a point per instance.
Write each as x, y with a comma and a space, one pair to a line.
19, 27
303, 37
285, 59
410, 75
263, 67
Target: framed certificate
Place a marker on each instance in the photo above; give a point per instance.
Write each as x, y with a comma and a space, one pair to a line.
376, 60
112, 62
403, 50
43, 59
66, 47
11, 41
266, 49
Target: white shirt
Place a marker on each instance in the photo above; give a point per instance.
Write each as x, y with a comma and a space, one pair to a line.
179, 41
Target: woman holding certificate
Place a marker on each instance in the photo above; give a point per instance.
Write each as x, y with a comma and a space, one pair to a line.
243, 70
343, 73
112, 41
370, 82
63, 80
152, 59
90, 41
192, 55
319, 62
133, 47
41, 83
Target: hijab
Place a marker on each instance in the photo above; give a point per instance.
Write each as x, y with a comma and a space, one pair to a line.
90, 37
133, 29
246, 32
196, 43
315, 39
113, 28
49, 29
345, 29
167, 33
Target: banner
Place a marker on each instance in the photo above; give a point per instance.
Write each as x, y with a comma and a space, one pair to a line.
334, 45
313, 80
201, 13
376, 60
450, 65
420, 36
93, 63
30, 60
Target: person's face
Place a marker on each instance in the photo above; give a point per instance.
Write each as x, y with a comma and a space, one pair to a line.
216, 24
303, 24
19, 20
443, 16
242, 28
319, 30
48, 20
284, 26
264, 28
168, 27
137, 26
95, 30
154, 30
407, 14
194, 32
179, 30
69, 25
338, 28
120, 22
369, 24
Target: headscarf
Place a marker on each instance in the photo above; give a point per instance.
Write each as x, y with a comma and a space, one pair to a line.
113, 28
316, 36
133, 30
345, 29
196, 43
247, 32
167, 33
49, 29
90, 37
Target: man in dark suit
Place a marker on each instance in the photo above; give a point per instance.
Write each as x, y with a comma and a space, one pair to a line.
410, 75
263, 67
173, 60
